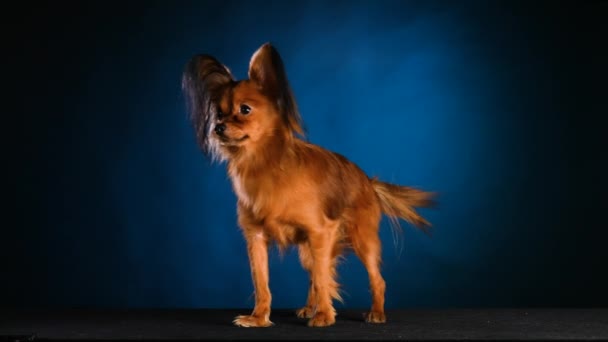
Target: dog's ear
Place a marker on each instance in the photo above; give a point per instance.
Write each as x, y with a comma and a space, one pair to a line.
204, 80
267, 71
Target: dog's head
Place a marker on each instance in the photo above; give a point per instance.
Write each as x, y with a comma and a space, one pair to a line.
231, 116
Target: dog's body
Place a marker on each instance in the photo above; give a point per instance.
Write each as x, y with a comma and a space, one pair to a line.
290, 191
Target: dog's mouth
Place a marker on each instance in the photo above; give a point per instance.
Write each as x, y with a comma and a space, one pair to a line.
226, 141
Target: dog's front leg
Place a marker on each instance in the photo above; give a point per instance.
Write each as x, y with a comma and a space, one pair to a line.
325, 287
257, 248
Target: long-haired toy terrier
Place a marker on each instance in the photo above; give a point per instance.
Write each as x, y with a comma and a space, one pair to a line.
289, 191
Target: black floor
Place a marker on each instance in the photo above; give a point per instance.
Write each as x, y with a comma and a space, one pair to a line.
533, 324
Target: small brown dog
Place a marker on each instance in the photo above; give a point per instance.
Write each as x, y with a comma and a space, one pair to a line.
290, 191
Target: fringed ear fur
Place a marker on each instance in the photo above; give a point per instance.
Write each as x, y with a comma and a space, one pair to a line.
203, 81
267, 71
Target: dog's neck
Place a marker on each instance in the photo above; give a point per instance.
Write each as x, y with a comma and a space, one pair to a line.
267, 157
249, 169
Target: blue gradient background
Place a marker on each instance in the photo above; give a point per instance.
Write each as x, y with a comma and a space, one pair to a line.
492, 104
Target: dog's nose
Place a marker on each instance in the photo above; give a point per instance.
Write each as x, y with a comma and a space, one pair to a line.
220, 128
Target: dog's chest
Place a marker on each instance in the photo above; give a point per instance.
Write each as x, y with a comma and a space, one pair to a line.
254, 193
280, 205
265, 196
241, 191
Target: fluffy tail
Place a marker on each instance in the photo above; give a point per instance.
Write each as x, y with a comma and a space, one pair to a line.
399, 202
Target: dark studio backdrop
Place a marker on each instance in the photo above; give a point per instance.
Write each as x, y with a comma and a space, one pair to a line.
495, 105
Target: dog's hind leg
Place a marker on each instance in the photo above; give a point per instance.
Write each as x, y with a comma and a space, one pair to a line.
366, 244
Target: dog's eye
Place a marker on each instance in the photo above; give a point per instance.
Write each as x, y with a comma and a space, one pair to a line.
245, 109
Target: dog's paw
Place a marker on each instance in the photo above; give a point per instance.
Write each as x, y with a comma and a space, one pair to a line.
248, 321
375, 317
305, 312
322, 319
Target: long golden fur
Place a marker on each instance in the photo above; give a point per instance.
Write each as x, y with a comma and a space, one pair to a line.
290, 191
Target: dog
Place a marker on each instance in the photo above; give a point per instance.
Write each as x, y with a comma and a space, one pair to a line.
291, 192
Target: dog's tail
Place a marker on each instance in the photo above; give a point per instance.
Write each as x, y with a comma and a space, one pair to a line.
399, 201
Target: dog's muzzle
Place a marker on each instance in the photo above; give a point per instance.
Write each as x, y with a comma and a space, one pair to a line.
219, 129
